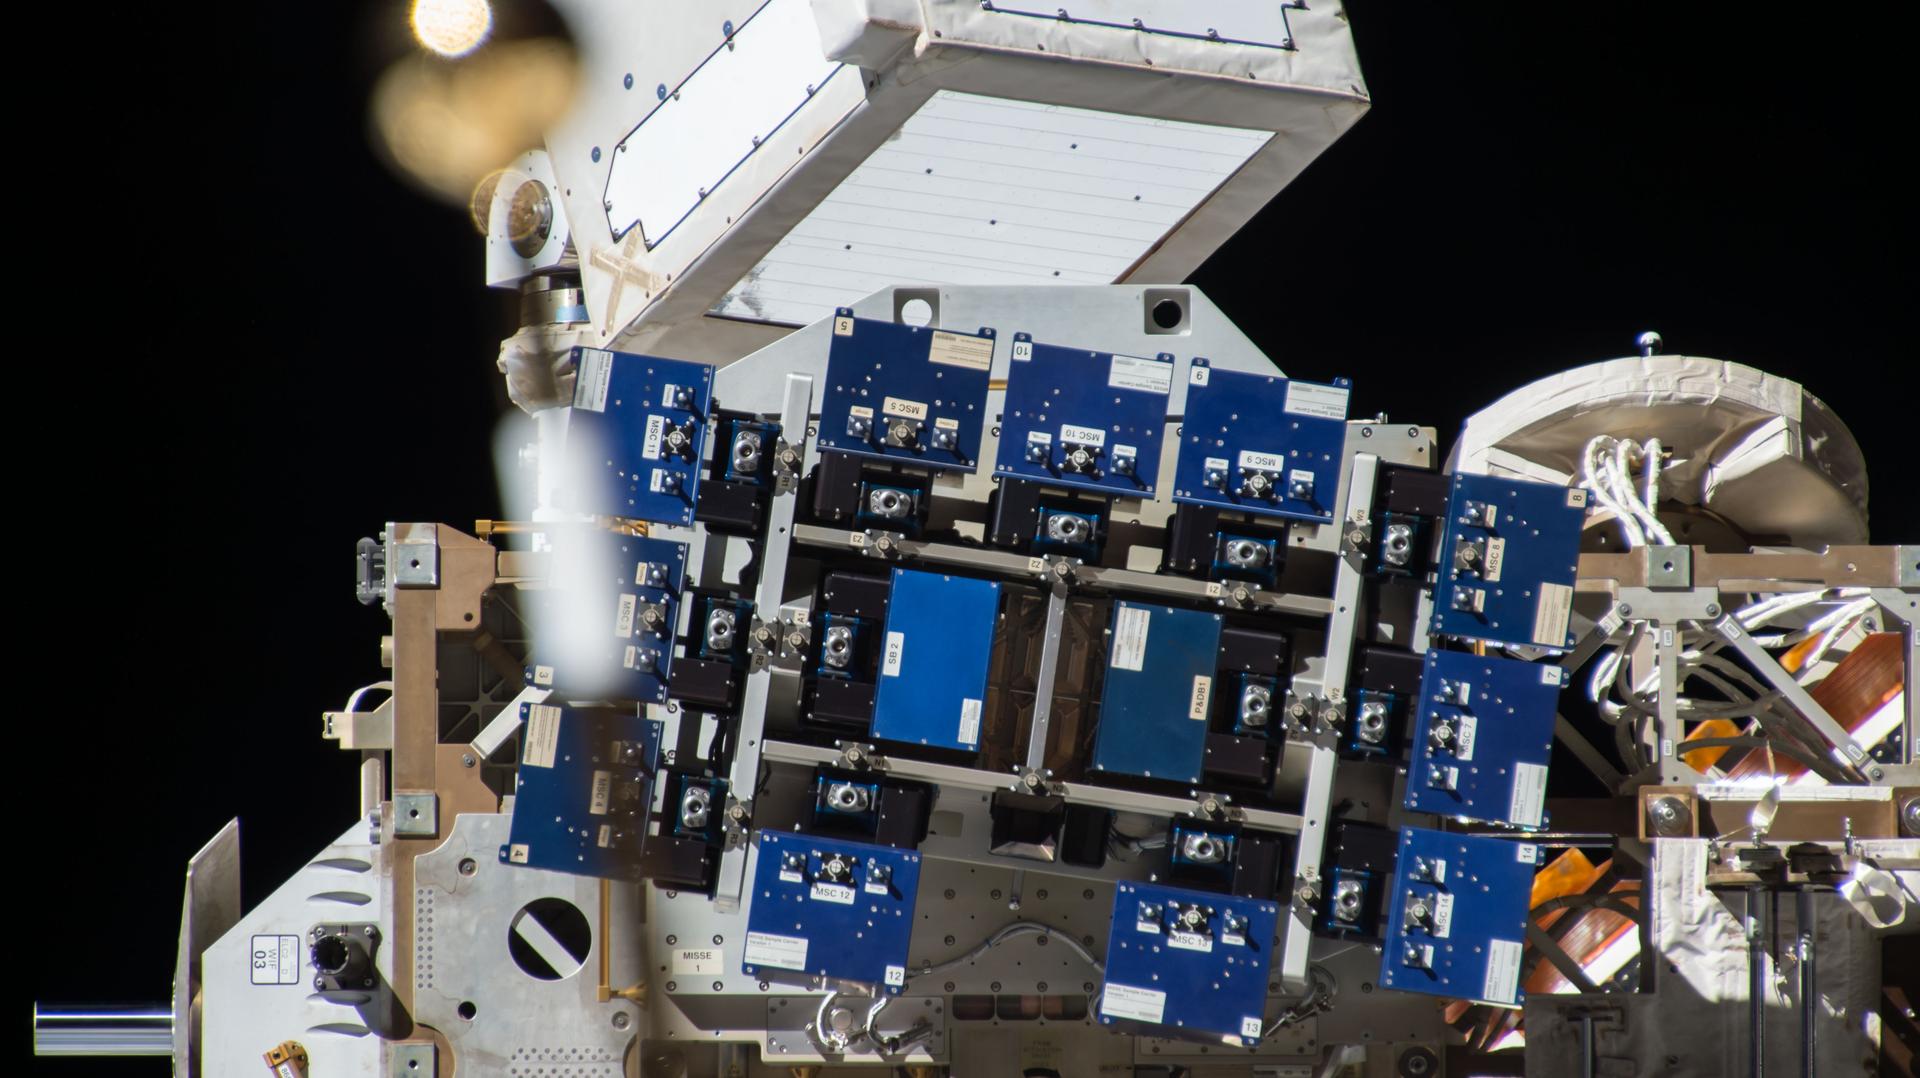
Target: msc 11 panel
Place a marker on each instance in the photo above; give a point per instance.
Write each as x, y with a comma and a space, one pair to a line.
933, 661
1457, 920
608, 616
1087, 420
1483, 737
1191, 961
636, 435
905, 393
1508, 558
830, 907
1153, 710
1261, 444
583, 791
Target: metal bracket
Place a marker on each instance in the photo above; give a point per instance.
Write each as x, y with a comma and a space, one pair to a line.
413, 555
1846, 750
1669, 567
416, 814
414, 1060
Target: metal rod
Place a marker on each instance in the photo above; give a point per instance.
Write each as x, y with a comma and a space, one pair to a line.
65, 1029
1757, 978
1586, 1046
1809, 991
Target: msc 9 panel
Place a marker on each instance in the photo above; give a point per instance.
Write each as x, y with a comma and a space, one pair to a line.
1191, 961
1087, 420
583, 791
636, 435
933, 660
830, 907
1261, 444
1457, 920
1483, 737
1507, 559
905, 393
1159, 687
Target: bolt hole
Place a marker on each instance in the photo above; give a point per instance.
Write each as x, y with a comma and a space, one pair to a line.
466, 1010
468, 866
1167, 313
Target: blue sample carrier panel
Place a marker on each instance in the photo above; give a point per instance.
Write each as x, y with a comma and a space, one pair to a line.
933, 659
636, 435
1482, 738
830, 907
604, 626
1261, 444
905, 393
1189, 961
583, 791
1457, 917
1508, 560
1158, 692
1087, 420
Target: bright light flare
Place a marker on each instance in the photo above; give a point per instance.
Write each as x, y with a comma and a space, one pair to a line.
451, 27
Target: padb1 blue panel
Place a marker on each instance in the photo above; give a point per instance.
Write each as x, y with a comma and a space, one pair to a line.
583, 791
1261, 444
1508, 559
1457, 917
1188, 961
1482, 738
905, 393
1087, 420
636, 435
603, 630
933, 662
828, 907
1159, 685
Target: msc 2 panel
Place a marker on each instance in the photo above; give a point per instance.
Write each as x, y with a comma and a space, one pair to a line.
636, 435
1159, 687
1189, 961
1457, 920
933, 660
583, 791
830, 907
1087, 420
905, 393
1482, 738
1261, 444
1508, 559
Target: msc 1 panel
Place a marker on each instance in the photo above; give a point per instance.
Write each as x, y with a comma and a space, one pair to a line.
1508, 559
1483, 737
905, 393
1261, 444
1153, 710
606, 621
636, 434
830, 907
1087, 420
933, 661
1188, 960
1457, 920
583, 791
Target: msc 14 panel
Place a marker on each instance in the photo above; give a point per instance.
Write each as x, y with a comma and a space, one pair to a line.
1191, 961
1457, 920
1087, 420
933, 666
832, 908
606, 621
636, 434
583, 791
1153, 711
1483, 737
905, 393
1261, 444
1508, 558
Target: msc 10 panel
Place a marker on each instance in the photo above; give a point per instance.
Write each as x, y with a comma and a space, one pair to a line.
583, 791
1192, 961
1087, 420
1261, 444
905, 393
1457, 920
829, 907
636, 435
1508, 559
1483, 737
604, 626
1159, 686
933, 662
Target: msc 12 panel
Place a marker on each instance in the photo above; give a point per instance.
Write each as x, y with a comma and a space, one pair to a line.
636, 435
933, 661
830, 907
604, 626
1261, 444
1457, 920
1483, 737
1508, 559
1086, 420
1159, 685
1192, 961
905, 393
583, 791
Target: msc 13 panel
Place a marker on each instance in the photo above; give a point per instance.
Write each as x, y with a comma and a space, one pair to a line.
583, 791
905, 393
1508, 558
1483, 737
1457, 920
1261, 444
1153, 710
1192, 961
830, 907
1087, 420
636, 435
606, 621
933, 663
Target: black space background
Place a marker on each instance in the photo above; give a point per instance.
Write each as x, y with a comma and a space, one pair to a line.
248, 344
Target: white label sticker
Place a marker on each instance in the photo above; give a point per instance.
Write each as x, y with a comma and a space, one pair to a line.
543, 735
969, 722
1022, 351
1527, 853
904, 409
276, 959
1503, 972
1144, 375
1197, 375
843, 326
590, 388
517, 853
656, 433
1496, 553
701, 961
1197, 700
1190, 941
1324, 402
543, 675
1529, 794
897, 976
943, 423
860, 411
835, 893
1250, 1027
1552, 675
780, 952
1464, 729
1139, 1004
1072, 435
1130, 638
961, 350
623, 618
1550, 616
1443, 914
602, 793
605, 838
896, 644
1261, 462
1577, 498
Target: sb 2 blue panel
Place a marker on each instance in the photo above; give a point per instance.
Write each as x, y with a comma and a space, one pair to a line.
583, 791
1508, 561
1261, 444
905, 393
828, 907
1457, 919
1159, 684
933, 666
1191, 961
1483, 737
1087, 420
604, 627
636, 435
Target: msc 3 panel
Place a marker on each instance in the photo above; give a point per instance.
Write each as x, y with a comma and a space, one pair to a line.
905, 393
1087, 420
933, 661
606, 621
1261, 444
829, 907
1507, 561
636, 434
1159, 686
1457, 921
1483, 737
1191, 961
583, 791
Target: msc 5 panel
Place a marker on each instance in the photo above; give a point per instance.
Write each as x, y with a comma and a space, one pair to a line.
1159, 684
1261, 444
905, 393
830, 907
1483, 737
1087, 420
607, 627
636, 435
1507, 561
1457, 920
583, 791
1188, 961
933, 664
